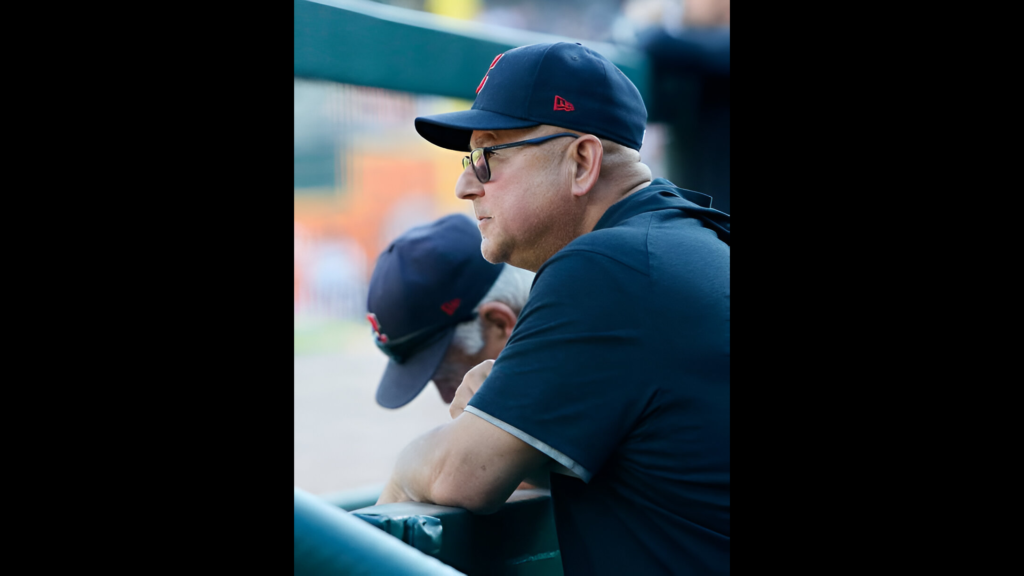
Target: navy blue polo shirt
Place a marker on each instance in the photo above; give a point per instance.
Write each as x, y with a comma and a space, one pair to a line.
618, 368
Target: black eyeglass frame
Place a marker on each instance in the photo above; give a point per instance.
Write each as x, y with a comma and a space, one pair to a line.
468, 160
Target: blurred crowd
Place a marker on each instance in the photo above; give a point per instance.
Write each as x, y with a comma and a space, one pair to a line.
618, 21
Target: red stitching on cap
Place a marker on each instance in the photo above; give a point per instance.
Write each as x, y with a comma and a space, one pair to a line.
489, 68
382, 338
451, 306
561, 104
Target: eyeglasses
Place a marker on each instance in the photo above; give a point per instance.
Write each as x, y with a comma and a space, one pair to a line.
478, 157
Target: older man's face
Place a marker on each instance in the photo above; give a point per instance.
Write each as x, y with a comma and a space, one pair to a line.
522, 211
452, 370
496, 327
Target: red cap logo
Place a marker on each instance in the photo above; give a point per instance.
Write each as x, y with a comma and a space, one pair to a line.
562, 104
484, 81
451, 306
382, 338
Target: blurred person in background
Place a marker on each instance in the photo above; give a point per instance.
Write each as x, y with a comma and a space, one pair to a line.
705, 13
438, 309
614, 384
687, 42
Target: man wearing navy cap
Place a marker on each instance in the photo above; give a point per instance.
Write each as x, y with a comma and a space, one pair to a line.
614, 384
438, 309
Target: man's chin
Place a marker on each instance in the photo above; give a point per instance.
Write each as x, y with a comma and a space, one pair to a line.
489, 252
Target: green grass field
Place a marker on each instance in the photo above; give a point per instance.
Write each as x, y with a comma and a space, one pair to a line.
315, 336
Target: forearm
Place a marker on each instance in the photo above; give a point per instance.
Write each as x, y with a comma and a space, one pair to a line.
434, 469
467, 463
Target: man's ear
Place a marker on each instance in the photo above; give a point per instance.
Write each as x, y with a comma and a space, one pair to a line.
587, 153
499, 316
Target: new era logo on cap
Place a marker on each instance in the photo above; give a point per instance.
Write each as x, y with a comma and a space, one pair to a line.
563, 104
451, 306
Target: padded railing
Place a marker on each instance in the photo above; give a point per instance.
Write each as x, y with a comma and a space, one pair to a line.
518, 539
330, 541
354, 498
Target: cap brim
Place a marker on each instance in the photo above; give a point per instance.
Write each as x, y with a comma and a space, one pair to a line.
453, 129
402, 382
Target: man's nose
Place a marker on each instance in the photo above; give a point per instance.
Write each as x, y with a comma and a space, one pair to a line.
468, 186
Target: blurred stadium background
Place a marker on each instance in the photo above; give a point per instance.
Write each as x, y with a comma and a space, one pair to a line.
362, 177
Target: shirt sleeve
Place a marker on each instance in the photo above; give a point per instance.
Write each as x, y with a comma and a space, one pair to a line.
568, 382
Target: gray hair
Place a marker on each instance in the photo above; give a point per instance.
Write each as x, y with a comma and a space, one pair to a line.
511, 287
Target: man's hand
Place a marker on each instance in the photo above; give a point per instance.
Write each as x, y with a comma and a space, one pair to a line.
470, 384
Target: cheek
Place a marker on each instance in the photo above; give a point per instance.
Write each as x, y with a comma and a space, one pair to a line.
449, 375
523, 211
532, 222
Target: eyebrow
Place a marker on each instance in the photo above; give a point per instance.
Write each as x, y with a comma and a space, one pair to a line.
482, 141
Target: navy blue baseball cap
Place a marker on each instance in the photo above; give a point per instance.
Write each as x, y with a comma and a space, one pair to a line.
563, 84
425, 283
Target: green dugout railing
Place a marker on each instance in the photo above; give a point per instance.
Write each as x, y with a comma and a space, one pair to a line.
410, 538
370, 44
